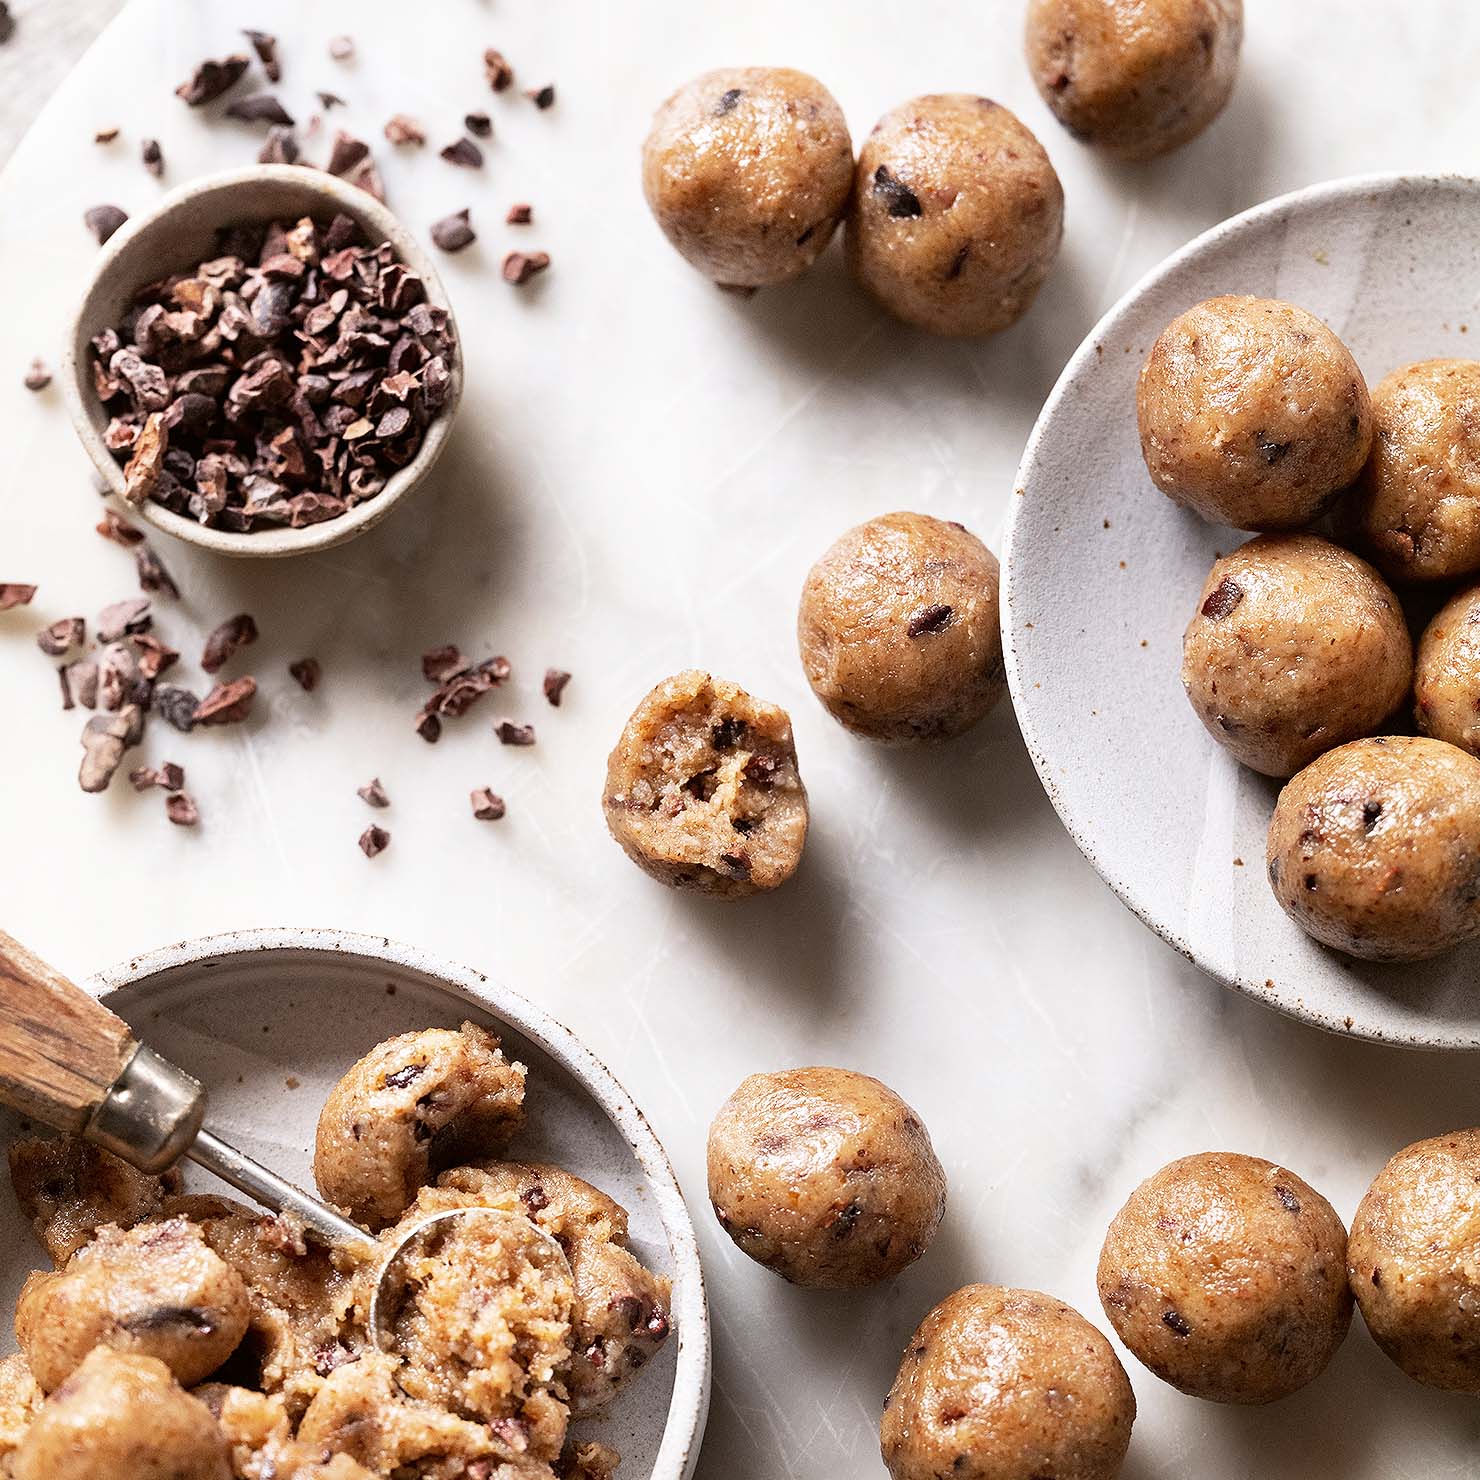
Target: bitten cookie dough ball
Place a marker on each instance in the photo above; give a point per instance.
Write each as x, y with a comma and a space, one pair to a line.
1002, 1384
956, 215
702, 789
1136, 78
1414, 1260
1226, 1276
1417, 508
1253, 413
898, 629
747, 170
1297, 646
1374, 848
1446, 678
825, 1176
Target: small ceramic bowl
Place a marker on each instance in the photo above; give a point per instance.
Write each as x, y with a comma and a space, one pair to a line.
269, 1019
179, 233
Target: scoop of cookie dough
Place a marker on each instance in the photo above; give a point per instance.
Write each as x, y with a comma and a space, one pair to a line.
1253, 413
956, 215
1001, 1384
747, 170
702, 789
898, 629
1374, 848
1414, 1260
1296, 646
1226, 1276
1135, 78
1446, 676
825, 1176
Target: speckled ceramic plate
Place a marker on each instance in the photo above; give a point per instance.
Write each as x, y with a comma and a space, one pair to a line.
269, 1019
1102, 574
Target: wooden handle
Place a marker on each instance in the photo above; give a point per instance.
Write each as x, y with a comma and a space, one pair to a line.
60, 1051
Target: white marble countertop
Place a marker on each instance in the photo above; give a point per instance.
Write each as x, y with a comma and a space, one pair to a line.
642, 472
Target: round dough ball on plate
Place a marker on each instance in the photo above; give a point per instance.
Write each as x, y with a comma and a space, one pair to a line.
747, 170
1446, 677
1374, 848
898, 629
1135, 78
1252, 413
1226, 1276
956, 214
1297, 646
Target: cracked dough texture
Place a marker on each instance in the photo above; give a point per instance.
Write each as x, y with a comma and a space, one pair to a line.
1001, 1384
702, 789
1374, 848
1414, 1260
1252, 413
956, 215
747, 170
1226, 1276
1135, 78
1297, 646
898, 629
825, 1176
1446, 678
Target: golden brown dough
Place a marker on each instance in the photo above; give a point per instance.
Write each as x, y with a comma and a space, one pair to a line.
20, 1401
1446, 677
262, 1446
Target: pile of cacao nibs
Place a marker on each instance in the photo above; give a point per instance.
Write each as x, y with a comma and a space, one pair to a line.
281, 382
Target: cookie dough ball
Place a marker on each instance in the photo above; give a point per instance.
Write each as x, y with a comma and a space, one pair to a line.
702, 789
1226, 1276
1002, 1384
1446, 678
20, 1402
1297, 646
1135, 78
747, 170
956, 215
825, 1176
1374, 848
122, 1415
898, 629
1412, 1260
1417, 508
1253, 413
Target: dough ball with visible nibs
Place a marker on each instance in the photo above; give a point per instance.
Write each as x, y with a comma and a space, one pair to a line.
825, 1176
1135, 78
1226, 1276
1001, 1384
956, 215
747, 170
1374, 848
1414, 1260
1252, 413
1446, 677
898, 629
1296, 646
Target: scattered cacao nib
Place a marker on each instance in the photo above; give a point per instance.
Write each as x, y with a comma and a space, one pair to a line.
542, 97
1222, 599
281, 147
265, 46
428, 726
153, 577
260, 108
554, 685
105, 738
227, 703
153, 656
61, 636
7, 23
105, 136
464, 152
328, 100
480, 125
453, 233
438, 664
1176, 1323
306, 673
152, 156
1287, 1199
403, 129
373, 794
898, 197
349, 158
226, 640
728, 101
116, 528
212, 78
104, 220
488, 806
38, 377
374, 840
181, 810
176, 706
167, 776
935, 618
497, 69
519, 267
12, 594
519, 215
511, 734
121, 619
342, 48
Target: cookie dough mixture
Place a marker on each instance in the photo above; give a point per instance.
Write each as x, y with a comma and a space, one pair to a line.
1001, 1383
1226, 1276
1414, 1260
1296, 646
702, 789
1135, 78
825, 1176
898, 629
1446, 677
1252, 413
956, 215
747, 170
1374, 848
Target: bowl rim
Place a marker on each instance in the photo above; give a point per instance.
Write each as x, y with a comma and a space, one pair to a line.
84, 407
689, 1406
1019, 682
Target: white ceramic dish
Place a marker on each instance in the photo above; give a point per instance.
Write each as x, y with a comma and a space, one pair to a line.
268, 1019
1101, 574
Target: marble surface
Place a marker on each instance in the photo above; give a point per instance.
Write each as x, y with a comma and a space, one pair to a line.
642, 472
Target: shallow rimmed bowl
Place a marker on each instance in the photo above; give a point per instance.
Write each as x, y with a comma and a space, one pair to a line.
268, 1019
1101, 574
179, 233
